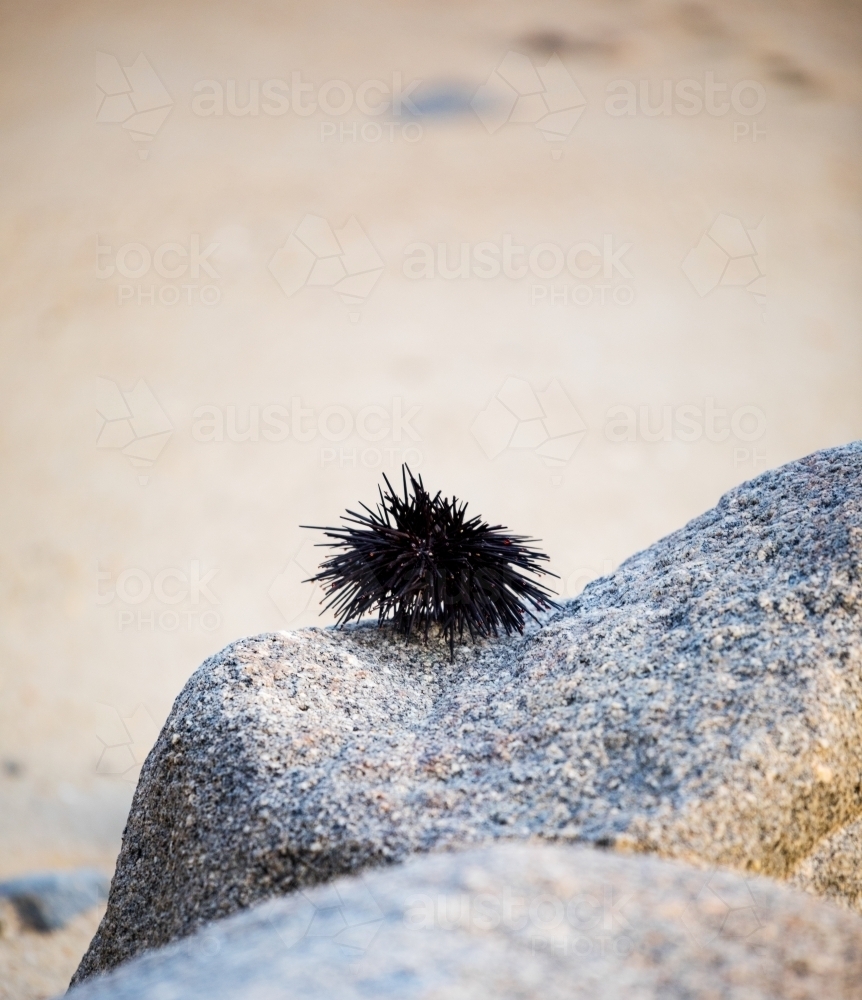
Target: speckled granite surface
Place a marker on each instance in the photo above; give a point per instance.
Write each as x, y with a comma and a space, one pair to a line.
834, 868
511, 922
703, 702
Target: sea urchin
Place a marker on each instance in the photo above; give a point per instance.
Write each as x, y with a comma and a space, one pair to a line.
418, 561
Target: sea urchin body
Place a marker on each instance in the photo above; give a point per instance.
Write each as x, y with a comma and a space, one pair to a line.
417, 561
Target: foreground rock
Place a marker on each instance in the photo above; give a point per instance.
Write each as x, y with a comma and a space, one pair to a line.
515, 921
703, 702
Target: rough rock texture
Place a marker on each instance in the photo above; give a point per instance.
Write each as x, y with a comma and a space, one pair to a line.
515, 921
835, 868
704, 702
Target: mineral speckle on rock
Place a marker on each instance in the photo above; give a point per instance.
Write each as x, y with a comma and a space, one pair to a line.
703, 702
834, 869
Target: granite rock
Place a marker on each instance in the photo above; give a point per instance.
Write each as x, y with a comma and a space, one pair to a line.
834, 869
703, 702
510, 922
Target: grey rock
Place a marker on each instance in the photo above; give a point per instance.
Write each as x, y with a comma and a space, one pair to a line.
834, 869
703, 702
514, 921
47, 901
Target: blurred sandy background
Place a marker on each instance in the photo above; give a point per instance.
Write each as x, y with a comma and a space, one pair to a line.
130, 554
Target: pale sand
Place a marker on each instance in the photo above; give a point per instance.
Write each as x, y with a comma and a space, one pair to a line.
35, 966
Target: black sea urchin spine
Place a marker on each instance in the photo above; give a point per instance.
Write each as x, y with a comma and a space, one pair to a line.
418, 560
